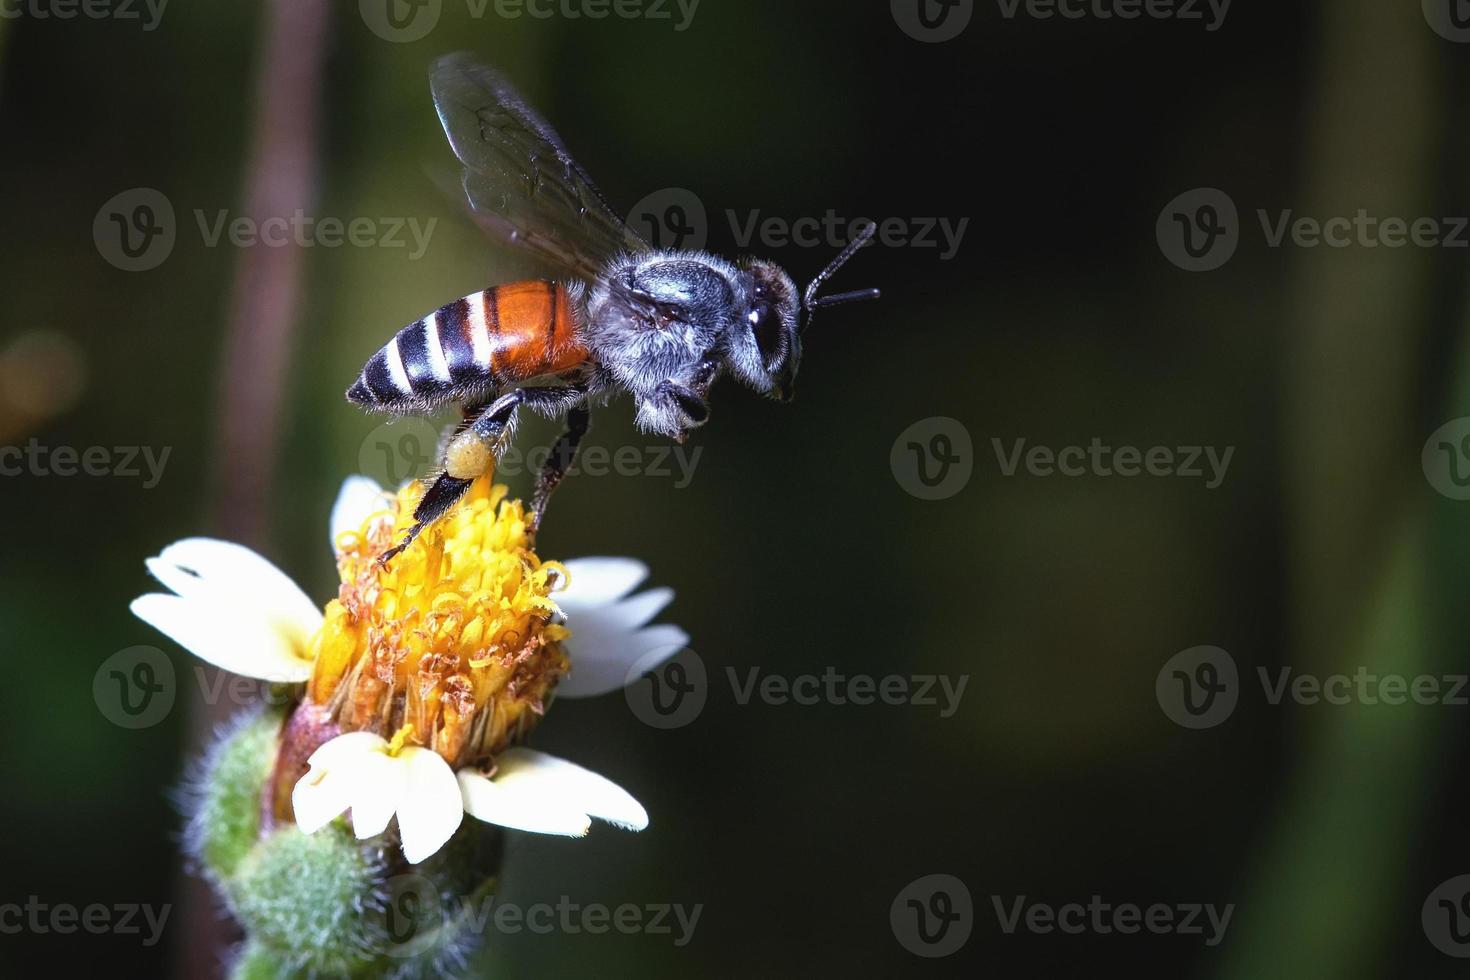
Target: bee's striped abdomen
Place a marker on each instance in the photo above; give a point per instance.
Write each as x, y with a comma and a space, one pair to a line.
532, 332
491, 339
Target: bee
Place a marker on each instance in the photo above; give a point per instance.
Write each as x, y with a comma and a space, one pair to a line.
661, 325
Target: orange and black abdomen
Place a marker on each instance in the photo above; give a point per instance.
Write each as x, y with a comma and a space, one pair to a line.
495, 338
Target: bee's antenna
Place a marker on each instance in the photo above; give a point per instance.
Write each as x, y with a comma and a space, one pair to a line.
837, 299
810, 301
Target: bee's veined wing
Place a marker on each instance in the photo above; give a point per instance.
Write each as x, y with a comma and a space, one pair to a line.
521, 183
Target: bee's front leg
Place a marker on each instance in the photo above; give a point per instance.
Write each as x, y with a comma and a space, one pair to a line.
705, 374
673, 410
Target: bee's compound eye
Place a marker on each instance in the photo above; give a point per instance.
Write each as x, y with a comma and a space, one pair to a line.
468, 456
765, 324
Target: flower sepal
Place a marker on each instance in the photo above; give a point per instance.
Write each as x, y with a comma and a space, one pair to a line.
328, 903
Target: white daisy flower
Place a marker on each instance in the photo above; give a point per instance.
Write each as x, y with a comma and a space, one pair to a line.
455, 648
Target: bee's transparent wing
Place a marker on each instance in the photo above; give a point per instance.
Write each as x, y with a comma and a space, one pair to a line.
521, 184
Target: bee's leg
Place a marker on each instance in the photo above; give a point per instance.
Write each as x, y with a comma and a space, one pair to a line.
673, 410
446, 491
468, 413
563, 453
488, 426
444, 494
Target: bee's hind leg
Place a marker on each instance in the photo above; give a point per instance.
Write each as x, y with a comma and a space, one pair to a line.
483, 433
444, 494
563, 453
487, 423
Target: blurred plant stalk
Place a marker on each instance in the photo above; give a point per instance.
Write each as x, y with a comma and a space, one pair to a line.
1332, 882
264, 309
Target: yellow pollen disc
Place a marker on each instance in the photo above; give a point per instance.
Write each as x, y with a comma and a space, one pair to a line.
455, 645
468, 456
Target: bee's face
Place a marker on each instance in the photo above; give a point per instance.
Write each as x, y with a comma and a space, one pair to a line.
765, 349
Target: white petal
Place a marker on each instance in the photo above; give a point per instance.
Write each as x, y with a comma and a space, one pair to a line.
606, 638
346, 748
431, 809
629, 614
359, 499
602, 662
331, 784
319, 798
225, 636
595, 581
379, 786
548, 781
222, 574
484, 800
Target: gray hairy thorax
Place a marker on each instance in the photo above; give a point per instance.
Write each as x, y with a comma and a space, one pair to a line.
707, 296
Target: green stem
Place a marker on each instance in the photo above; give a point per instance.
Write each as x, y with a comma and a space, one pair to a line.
1332, 880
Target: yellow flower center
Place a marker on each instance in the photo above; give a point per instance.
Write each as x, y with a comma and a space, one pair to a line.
452, 645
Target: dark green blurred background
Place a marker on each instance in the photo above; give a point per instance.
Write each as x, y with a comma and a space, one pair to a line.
795, 548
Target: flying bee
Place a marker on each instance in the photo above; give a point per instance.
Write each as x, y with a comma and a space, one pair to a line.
661, 325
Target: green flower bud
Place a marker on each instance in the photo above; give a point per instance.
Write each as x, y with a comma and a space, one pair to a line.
222, 797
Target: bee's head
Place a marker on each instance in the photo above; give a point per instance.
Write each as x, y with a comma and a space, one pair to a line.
765, 350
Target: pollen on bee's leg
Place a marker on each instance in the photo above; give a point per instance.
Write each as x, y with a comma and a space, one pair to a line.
468, 455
